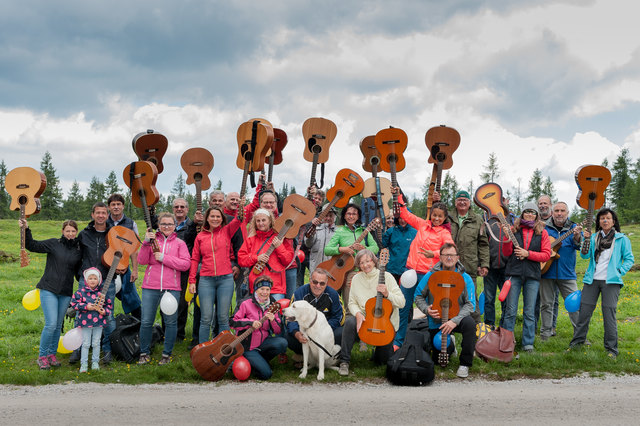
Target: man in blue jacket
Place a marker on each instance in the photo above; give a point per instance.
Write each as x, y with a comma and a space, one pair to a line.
562, 272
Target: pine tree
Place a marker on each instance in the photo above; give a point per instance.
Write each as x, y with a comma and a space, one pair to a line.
219, 185
51, 198
96, 193
111, 184
448, 189
548, 189
620, 181
535, 186
74, 206
518, 198
491, 170
284, 191
5, 199
607, 192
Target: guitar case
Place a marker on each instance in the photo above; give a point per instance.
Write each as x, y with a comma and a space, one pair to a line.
411, 365
125, 339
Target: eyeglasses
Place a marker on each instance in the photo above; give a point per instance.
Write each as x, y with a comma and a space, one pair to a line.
179, 207
529, 212
320, 283
448, 256
167, 225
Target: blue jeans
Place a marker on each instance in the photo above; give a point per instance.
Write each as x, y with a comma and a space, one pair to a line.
214, 291
291, 276
529, 288
54, 307
129, 294
259, 357
492, 283
111, 322
406, 311
150, 302
90, 337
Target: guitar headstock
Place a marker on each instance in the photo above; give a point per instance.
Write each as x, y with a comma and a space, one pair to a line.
383, 258
374, 224
443, 358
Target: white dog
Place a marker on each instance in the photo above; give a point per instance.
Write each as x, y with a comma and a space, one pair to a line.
313, 324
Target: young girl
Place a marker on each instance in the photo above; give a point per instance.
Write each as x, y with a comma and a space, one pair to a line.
91, 317
265, 342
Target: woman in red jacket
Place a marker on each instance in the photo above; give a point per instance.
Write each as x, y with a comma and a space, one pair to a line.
212, 248
253, 250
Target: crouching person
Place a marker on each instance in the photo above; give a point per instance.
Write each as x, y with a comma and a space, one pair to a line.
265, 342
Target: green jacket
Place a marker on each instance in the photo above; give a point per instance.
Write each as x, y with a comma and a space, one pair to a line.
472, 242
344, 237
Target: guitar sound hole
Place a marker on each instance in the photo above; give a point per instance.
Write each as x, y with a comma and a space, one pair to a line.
340, 263
22, 199
197, 177
226, 350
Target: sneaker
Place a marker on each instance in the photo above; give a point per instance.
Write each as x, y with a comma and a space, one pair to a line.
553, 332
43, 363
463, 372
283, 358
144, 359
395, 347
528, 349
544, 338
107, 358
166, 359
53, 361
587, 342
344, 369
612, 355
84, 368
95, 366
75, 356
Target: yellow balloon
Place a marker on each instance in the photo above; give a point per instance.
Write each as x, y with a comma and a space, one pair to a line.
188, 296
61, 348
198, 300
31, 300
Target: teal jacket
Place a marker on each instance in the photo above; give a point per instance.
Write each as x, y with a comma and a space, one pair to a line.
344, 237
619, 264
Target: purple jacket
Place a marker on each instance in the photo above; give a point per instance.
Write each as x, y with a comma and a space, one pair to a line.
249, 311
164, 275
85, 318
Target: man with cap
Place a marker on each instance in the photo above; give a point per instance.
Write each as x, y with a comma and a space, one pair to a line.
322, 236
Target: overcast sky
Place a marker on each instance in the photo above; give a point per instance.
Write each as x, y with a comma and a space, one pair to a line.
547, 84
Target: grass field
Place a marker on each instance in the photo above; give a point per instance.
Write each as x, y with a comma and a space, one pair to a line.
20, 336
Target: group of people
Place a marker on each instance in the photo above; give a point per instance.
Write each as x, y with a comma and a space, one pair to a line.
214, 253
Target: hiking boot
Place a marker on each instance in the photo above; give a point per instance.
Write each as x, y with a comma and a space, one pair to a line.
95, 366
463, 372
144, 359
84, 368
107, 358
74, 357
43, 363
612, 355
344, 369
166, 359
53, 361
283, 358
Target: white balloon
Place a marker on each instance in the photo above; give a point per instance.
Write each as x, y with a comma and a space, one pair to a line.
72, 339
409, 278
168, 304
118, 282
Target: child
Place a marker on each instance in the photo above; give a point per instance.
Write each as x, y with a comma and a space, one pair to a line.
91, 317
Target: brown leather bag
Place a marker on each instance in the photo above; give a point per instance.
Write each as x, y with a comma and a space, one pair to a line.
498, 344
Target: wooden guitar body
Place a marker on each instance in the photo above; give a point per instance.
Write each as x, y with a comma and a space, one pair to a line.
442, 141
544, 266
254, 141
150, 146
121, 242
25, 185
377, 329
370, 153
279, 142
592, 182
489, 198
370, 191
296, 211
445, 288
338, 267
212, 359
318, 134
391, 144
143, 183
348, 184
197, 163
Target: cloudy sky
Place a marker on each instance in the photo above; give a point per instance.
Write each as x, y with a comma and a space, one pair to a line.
547, 84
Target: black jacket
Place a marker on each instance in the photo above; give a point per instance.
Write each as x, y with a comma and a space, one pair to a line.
93, 244
63, 259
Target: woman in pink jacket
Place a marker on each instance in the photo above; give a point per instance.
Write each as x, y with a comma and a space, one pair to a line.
161, 277
212, 248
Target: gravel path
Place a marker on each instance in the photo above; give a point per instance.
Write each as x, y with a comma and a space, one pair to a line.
582, 400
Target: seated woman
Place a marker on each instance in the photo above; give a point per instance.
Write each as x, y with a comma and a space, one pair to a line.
363, 287
265, 342
254, 248
162, 276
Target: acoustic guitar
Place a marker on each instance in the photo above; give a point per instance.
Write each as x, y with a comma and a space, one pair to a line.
441, 141
296, 211
318, 134
592, 182
275, 157
25, 185
489, 198
212, 359
254, 141
121, 244
140, 177
445, 288
555, 244
376, 188
348, 184
391, 144
339, 265
377, 329
150, 146
197, 163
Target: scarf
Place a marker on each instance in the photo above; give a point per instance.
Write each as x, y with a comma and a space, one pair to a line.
527, 223
603, 242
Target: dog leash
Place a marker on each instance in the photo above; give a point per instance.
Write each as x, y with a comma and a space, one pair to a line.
318, 344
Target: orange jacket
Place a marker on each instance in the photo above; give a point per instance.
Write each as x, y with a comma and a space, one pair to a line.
427, 238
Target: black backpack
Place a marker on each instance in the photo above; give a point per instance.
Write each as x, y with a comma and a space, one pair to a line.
125, 339
411, 365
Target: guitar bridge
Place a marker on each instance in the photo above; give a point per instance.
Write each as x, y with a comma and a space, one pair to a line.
375, 331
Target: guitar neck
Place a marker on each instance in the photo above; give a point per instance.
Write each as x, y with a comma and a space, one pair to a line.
147, 215
588, 223
107, 282
512, 237
24, 256
439, 167
250, 330
445, 318
270, 172
258, 267
314, 166
379, 295
559, 241
394, 183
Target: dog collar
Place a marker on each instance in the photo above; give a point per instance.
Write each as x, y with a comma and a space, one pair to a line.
314, 319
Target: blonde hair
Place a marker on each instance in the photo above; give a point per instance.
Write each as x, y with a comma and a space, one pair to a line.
252, 225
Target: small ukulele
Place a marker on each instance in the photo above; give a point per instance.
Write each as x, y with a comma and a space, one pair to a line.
25, 185
150, 146
121, 244
592, 182
377, 329
445, 287
197, 163
140, 177
318, 134
212, 359
441, 142
391, 144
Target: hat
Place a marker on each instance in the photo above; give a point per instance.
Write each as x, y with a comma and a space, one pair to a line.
92, 271
462, 194
530, 206
262, 211
262, 281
